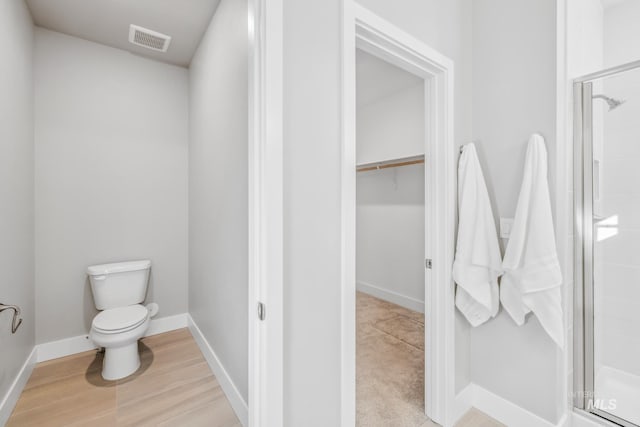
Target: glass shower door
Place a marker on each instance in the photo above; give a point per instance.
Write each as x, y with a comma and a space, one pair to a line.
610, 244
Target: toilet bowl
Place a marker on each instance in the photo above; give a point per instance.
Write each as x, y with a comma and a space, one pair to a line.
118, 291
118, 331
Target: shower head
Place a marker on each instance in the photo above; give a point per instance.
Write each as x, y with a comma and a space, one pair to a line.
612, 102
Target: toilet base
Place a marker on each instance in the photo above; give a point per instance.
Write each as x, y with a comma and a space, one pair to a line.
120, 362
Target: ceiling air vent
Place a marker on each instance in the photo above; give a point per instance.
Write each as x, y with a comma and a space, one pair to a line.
149, 39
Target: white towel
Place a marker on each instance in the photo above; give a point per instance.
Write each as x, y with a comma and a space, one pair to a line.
478, 263
532, 275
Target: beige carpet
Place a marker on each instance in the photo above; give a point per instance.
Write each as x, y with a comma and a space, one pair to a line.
390, 368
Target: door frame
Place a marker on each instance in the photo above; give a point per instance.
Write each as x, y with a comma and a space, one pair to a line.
266, 337
583, 320
364, 30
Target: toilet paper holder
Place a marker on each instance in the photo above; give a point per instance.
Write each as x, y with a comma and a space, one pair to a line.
17, 321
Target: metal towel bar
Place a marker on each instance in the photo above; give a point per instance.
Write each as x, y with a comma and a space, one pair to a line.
15, 323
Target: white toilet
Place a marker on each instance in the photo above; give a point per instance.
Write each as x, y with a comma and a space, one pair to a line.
118, 289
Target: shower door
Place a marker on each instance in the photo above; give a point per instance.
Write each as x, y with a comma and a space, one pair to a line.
607, 217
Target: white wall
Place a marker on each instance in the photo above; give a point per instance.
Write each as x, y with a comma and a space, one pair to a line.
16, 187
514, 95
218, 189
391, 127
390, 202
111, 137
390, 235
620, 33
584, 37
445, 26
312, 214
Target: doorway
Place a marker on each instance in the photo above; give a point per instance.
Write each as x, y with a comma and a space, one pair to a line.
390, 243
364, 31
606, 352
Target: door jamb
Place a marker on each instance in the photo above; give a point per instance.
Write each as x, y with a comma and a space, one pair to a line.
266, 337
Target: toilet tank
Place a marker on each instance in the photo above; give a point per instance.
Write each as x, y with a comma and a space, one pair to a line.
119, 284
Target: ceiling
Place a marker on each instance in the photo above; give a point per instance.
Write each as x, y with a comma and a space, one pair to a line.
107, 22
377, 79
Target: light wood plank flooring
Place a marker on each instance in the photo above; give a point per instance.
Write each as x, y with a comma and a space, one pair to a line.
173, 387
390, 368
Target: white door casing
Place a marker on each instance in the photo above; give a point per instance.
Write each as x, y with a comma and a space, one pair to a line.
366, 31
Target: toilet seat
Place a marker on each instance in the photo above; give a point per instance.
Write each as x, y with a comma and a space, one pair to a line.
121, 319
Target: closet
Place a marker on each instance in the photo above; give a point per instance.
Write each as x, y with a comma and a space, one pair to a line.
390, 242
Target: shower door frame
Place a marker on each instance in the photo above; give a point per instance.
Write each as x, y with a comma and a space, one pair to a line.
583, 336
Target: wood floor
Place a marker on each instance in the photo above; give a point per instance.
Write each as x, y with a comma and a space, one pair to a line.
390, 368
174, 387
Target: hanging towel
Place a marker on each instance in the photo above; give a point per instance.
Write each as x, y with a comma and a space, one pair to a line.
477, 263
532, 276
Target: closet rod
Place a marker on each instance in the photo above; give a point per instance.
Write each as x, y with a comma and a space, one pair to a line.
391, 164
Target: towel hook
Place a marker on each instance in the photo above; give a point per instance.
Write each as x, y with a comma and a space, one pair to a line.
16, 322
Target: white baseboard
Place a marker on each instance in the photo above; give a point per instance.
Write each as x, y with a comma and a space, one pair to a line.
230, 390
498, 408
68, 346
463, 403
166, 324
13, 394
391, 296
64, 347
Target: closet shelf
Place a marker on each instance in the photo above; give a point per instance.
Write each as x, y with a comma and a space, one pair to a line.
402, 161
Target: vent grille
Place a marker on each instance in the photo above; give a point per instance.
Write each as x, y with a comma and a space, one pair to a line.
150, 39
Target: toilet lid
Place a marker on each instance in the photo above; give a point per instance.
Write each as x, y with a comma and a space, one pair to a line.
121, 318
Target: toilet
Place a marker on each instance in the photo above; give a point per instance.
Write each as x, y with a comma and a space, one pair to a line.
118, 291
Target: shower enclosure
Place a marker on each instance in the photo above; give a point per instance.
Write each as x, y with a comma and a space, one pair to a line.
607, 244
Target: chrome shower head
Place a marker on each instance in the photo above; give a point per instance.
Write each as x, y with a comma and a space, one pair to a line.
612, 102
